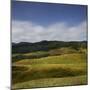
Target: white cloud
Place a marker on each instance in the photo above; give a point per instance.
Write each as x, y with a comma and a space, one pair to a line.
25, 31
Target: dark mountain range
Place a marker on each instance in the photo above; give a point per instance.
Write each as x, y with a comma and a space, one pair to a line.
25, 47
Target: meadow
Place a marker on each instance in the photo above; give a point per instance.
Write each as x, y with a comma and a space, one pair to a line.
63, 66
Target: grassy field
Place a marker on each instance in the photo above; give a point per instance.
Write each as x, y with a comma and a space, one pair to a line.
49, 68
50, 82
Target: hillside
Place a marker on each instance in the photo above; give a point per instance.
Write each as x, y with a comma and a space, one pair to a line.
25, 47
49, 63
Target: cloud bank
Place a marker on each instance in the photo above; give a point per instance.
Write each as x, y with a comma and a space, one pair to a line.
26, 31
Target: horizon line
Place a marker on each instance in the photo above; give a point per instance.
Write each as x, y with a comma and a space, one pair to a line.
51, 40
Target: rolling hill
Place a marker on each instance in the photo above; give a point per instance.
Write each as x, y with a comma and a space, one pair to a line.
49, 63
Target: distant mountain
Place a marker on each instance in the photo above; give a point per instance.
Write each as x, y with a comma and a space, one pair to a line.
25, 47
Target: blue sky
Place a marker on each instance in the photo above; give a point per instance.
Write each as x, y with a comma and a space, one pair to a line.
46, 13
45, 16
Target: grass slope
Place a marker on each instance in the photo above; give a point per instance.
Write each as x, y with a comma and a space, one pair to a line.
60, 70
60, 59
49, 82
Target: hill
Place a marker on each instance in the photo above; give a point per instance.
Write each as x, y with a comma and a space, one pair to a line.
25, 47
49, 63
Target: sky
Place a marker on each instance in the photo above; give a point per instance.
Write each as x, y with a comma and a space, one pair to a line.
35, 21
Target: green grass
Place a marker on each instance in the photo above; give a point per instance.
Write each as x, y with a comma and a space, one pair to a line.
61, 59
31, 72
58, 70
41, 54
51, 82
